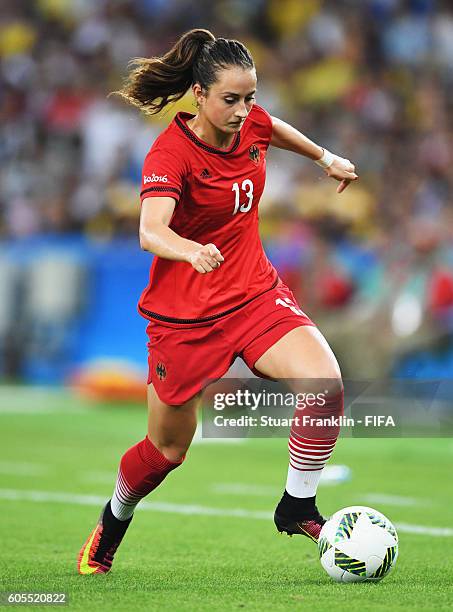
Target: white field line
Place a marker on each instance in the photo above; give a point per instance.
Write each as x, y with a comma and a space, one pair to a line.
394, 500
242, 488
31, 410
331, 475
420, 529
193, 510
97, 500
33, 400
21, 468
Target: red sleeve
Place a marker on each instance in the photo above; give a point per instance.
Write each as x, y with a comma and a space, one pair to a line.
262, 123
163, 173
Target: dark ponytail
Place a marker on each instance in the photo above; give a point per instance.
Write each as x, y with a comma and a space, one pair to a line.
195, 58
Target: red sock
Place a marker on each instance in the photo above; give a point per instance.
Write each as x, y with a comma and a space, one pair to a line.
310, 445
142, 468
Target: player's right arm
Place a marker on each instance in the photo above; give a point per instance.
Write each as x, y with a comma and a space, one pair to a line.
157, 237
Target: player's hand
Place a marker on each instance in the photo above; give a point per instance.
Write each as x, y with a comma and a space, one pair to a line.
206, 259
342, 170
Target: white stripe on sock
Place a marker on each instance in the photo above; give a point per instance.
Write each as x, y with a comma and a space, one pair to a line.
307, 458
124, 499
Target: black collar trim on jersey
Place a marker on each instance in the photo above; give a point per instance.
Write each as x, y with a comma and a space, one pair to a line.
191, 136
159, 317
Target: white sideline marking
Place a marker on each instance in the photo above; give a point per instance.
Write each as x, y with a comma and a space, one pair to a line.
33, 400
331, 475
394, 500
29, 410
241, 488
432, 531
97, 500
21, 468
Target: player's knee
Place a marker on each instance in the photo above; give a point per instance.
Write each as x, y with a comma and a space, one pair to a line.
331, 393
173, 453
333, 384
326, 378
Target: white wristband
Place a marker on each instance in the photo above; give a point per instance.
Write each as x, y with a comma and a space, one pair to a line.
326, 160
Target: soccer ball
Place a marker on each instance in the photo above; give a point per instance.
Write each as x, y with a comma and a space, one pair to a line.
357, 544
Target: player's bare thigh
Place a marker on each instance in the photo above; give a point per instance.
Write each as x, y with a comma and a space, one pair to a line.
303, 353
171, 428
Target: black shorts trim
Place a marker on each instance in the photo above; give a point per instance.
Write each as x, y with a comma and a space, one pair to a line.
159, 317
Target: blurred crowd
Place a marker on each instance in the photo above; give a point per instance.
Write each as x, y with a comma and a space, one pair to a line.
372, 80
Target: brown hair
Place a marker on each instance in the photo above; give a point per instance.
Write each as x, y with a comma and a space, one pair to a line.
195, 58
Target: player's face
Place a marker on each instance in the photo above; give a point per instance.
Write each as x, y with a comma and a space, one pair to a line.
230, 99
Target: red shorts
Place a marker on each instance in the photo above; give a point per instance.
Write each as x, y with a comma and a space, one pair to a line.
183, 359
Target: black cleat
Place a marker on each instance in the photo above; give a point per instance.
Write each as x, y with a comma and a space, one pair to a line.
310, 526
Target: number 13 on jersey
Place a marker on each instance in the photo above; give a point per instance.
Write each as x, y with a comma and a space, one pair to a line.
247, 187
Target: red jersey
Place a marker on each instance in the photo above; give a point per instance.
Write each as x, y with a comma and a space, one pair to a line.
217, 193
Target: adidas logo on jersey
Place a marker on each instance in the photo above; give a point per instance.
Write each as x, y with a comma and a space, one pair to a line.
154, 178
205, 174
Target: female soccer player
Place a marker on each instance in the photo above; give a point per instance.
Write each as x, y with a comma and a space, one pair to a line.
213, 295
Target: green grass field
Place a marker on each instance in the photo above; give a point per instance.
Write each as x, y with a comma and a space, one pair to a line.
58, 461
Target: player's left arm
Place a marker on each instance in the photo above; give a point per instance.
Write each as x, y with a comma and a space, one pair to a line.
285, 136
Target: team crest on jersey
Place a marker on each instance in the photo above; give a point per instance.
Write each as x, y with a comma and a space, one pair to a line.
254, 153
161, 371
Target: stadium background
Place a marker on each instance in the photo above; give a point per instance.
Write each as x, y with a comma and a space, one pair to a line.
371, 80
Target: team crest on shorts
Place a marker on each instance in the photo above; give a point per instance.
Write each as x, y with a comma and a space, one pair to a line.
254, 153
161, 371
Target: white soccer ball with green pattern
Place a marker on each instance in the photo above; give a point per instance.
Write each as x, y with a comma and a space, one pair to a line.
357, 544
